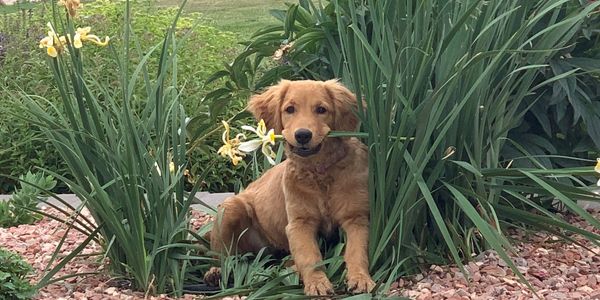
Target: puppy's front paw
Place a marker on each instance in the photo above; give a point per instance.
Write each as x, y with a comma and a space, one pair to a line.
213, 276
360, 283
317, 285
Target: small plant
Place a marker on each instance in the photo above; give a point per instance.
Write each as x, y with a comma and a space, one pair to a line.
13, 273
24, 146
5, 214
126, 151
19, 208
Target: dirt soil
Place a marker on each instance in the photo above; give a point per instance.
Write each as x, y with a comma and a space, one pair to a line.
556, 269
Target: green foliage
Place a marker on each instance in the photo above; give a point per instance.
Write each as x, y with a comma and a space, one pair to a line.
242, 17
249, 270
5, 214
562, 121
455, 91
23, 147
126, 153
262, 276
13, 277
19, 208
200, 55
309, 30
219, 174
565, 119
454, 78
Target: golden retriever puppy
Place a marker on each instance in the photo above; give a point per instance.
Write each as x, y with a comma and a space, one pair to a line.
322, 185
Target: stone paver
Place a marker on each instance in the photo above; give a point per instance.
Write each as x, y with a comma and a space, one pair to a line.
211, 199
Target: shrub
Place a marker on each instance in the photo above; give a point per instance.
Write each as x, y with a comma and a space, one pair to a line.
22, 146
126, 152
13, 273
19, 209
443, 88
565, 119
446, 84
562, 121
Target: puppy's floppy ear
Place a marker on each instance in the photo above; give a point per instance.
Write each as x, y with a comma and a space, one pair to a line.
344, 101
267, 106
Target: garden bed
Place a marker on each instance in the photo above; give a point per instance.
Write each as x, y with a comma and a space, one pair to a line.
37, 242
556, 269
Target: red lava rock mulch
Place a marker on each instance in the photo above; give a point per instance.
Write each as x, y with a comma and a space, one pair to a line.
557, 270
37, 242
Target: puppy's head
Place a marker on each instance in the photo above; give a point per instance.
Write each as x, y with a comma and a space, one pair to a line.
305, 111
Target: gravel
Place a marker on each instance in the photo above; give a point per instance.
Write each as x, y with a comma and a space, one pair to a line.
556, 269
37, 242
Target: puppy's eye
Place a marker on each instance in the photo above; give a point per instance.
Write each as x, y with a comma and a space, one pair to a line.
290, 109
321, 110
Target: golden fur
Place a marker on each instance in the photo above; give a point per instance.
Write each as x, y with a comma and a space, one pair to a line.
305, 195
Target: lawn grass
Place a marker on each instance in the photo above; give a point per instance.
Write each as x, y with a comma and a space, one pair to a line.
242, 17
19, 6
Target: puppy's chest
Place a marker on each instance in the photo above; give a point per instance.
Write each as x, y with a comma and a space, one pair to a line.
321, 184
324, 183
327, 224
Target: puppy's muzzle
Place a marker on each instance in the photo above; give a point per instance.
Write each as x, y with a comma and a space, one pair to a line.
303, 137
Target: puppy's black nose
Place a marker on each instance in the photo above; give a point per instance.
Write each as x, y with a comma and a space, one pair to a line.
303, 136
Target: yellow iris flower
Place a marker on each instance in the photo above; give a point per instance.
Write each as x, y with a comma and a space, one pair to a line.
597, 169
266, 139
230, 147
82, 34
236, 148
53, 43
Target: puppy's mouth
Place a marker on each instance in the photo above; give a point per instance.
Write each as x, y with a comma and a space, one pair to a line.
305, 151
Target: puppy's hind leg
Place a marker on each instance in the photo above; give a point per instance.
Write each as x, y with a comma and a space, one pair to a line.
233, 230
232, 233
